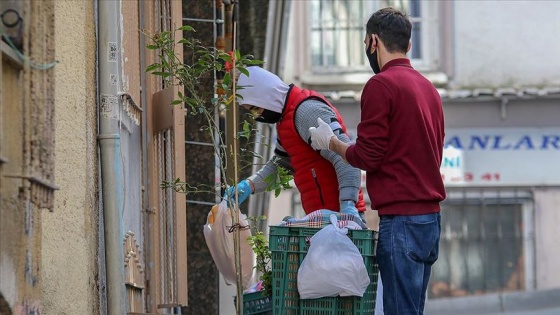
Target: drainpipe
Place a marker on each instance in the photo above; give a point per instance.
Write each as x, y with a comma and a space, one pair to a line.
109, 81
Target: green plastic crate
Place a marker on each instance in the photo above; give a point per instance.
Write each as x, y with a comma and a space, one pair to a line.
289, 246
256, 303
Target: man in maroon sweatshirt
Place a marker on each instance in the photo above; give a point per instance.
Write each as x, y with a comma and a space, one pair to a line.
399, 144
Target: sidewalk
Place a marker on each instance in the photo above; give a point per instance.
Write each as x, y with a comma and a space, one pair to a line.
548, 311
545, 302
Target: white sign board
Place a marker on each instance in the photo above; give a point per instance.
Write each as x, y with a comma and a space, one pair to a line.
501, 156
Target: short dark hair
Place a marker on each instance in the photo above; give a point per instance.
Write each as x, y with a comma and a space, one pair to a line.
392, 26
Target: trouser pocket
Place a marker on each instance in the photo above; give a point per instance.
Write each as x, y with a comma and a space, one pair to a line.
422, 240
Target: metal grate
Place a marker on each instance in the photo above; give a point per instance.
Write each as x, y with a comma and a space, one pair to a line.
484, 242
337, 27
337, 30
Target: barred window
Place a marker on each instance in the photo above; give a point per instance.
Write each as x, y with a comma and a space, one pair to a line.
337, 31
485, 244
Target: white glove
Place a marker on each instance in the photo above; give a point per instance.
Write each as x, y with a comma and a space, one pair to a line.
321, 136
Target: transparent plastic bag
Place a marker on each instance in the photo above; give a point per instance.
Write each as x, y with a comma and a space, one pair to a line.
333, 266
219, 240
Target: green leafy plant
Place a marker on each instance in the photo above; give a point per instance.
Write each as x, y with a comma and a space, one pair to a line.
259, 243
203, 63
279, 181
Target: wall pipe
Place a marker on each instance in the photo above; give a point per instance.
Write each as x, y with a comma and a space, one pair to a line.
109, 103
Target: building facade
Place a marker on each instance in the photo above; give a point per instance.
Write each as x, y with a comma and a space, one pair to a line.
86, 138
498, 74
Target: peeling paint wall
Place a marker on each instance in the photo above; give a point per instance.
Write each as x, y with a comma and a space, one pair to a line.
69, 247
12, 220
26, 184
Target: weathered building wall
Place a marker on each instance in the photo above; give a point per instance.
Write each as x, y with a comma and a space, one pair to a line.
547, 220
12, 220
70, 232
26, 151
506, 43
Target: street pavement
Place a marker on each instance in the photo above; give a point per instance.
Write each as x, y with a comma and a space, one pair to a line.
536, 302
546, 311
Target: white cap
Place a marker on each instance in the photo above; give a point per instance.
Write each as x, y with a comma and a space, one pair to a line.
262, 89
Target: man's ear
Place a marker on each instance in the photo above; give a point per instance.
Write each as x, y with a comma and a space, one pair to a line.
409, 46
374, 42
377, 42
369, 42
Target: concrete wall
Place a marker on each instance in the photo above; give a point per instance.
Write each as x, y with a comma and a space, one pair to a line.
547, 238
493, 43
506, 43
70, 232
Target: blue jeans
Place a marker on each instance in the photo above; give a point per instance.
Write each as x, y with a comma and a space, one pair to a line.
406, 249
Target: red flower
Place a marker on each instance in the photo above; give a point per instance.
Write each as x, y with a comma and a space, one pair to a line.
229, 65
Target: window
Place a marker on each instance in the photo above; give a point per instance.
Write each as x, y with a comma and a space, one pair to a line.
337, 31
485, 244
166, 226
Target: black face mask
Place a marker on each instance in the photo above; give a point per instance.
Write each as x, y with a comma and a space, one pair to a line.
372, 57
269, 117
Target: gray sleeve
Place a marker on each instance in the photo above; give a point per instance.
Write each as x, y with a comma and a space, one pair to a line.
280, 158
349, 178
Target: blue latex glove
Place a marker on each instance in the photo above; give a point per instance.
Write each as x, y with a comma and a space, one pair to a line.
348, 207
243, 192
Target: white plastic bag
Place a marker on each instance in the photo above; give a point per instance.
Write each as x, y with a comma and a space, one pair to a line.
220, 243
333, 266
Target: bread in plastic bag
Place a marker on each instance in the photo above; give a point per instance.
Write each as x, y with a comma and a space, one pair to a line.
219, 240
333, 266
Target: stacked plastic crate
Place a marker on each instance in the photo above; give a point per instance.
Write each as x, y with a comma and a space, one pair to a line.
289, 245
